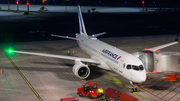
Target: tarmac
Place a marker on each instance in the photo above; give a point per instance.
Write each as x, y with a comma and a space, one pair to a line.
35, 78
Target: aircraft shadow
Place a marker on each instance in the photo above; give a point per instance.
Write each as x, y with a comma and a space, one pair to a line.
61, 70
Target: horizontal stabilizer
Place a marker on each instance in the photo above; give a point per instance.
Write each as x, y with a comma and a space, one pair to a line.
67, 37
99, 34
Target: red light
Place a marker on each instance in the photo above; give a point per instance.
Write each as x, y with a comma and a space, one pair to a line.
156, 50
156, 71
43, 1
17, 2
147, 49
27, 3
142, 2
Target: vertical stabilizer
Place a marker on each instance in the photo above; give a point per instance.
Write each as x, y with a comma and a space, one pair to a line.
81, 22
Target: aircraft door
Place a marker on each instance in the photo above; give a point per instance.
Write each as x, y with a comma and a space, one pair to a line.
120, 67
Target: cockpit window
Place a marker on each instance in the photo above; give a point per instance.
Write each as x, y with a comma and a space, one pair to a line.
135, 67
128, 67
141, 67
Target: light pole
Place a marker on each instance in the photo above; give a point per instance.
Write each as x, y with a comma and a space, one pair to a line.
28, 6
17, 5
43, 4
143, 4
8, 6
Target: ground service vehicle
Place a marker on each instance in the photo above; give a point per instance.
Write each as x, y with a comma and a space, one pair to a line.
89, 89
127, 97
69, 99
111, 95
115, 95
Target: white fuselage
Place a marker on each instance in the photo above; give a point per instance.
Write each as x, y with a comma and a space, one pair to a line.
112, 58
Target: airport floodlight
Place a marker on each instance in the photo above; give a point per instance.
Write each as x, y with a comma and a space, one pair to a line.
142, 2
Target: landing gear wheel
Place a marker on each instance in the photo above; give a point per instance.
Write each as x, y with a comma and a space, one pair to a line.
134, 90
80, 94
90, 96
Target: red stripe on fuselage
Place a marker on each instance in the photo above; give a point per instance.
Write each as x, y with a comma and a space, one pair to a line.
118, 58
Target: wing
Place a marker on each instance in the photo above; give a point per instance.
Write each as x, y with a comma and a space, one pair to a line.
67, 37
99, 34
60, 56
158, 47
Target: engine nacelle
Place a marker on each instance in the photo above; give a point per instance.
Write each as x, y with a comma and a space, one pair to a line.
81, 70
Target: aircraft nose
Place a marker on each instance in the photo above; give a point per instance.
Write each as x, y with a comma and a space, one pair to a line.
140, 77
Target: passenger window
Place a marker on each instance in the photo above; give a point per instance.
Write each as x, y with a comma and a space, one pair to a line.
135, 67
128, 67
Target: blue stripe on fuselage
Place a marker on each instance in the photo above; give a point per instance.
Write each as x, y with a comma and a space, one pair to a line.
81, 25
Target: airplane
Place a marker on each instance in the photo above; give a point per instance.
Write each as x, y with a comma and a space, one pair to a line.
104, 56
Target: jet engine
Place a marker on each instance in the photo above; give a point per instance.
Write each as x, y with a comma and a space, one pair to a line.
81, 70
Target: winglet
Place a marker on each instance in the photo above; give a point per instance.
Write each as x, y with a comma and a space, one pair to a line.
176, 40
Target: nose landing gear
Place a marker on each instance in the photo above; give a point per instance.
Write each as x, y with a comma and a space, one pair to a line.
134, 89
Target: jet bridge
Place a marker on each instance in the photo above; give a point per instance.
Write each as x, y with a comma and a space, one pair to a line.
160, 61
147, 57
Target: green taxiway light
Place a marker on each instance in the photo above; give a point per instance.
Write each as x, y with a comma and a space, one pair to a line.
10, 51
166, 77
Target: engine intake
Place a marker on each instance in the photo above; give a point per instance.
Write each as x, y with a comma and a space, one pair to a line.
81, 70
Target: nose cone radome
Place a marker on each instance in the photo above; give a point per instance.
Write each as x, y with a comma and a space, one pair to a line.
141, 77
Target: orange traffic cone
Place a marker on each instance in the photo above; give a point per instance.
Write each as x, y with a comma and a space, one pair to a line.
84, 81
0, 71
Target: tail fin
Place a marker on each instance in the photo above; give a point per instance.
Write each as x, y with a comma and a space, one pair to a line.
177, 38
81, 22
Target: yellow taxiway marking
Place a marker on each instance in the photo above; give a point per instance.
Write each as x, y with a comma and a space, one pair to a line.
40, 99
141, 96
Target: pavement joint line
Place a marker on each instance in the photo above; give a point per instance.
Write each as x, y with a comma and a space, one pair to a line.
141, 96
40, 99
